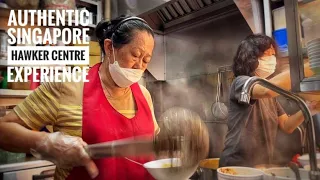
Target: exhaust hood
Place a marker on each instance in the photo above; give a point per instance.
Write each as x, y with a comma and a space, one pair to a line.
172, 16
177, 14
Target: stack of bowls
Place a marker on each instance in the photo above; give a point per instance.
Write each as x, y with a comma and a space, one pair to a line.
313, 48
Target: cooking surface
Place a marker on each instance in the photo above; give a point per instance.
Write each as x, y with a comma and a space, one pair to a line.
24, 163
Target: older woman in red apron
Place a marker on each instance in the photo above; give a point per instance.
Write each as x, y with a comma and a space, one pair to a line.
117, 126
127, 43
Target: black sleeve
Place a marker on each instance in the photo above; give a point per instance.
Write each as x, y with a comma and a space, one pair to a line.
236, 88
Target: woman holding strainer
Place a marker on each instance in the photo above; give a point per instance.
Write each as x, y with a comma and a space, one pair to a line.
111, 106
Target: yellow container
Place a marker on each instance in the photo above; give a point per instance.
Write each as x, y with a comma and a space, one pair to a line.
212, 163
94, 48
94, 60
20, 85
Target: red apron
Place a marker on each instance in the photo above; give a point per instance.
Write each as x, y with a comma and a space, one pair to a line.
102, 123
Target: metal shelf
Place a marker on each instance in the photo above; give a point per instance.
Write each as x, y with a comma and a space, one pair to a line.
310, 84
14, 93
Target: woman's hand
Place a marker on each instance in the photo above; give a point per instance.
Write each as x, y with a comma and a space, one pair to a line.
313, 107
65, 151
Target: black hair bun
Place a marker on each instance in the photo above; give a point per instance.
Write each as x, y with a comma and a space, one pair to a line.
105, 29
100, 29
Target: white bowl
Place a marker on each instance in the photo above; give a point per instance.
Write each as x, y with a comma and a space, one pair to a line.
307, 167
315, 49
314, 41
242, 173
158, 170
284, 174
314, 63
313, 53
313, 44
314, 60
317, 56
304, 159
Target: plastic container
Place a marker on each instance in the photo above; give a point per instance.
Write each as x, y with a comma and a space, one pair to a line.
281, 39
279, 18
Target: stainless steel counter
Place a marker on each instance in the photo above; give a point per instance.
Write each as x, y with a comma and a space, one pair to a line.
26, 163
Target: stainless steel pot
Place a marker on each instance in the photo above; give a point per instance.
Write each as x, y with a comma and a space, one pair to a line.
208, 174
204, 174
207, 170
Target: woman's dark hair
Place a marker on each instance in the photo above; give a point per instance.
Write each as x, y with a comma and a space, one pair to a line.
120, 30
251, 48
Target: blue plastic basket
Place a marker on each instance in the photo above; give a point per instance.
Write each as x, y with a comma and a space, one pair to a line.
281, 39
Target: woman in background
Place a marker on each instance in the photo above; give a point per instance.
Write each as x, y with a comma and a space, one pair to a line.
252, 128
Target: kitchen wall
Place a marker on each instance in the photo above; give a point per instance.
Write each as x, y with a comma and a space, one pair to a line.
193, 56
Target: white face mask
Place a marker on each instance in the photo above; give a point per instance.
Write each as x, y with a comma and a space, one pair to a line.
124, 77
267, 66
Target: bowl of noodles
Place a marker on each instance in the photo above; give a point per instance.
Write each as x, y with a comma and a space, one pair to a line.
239, 173
170, 168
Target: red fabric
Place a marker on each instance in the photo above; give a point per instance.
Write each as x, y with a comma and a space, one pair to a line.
33, 84
102, 123
295, 159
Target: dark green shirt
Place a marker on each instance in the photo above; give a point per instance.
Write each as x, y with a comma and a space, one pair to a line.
252, 129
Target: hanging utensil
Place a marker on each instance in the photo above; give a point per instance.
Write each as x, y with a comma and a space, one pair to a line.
219, 109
